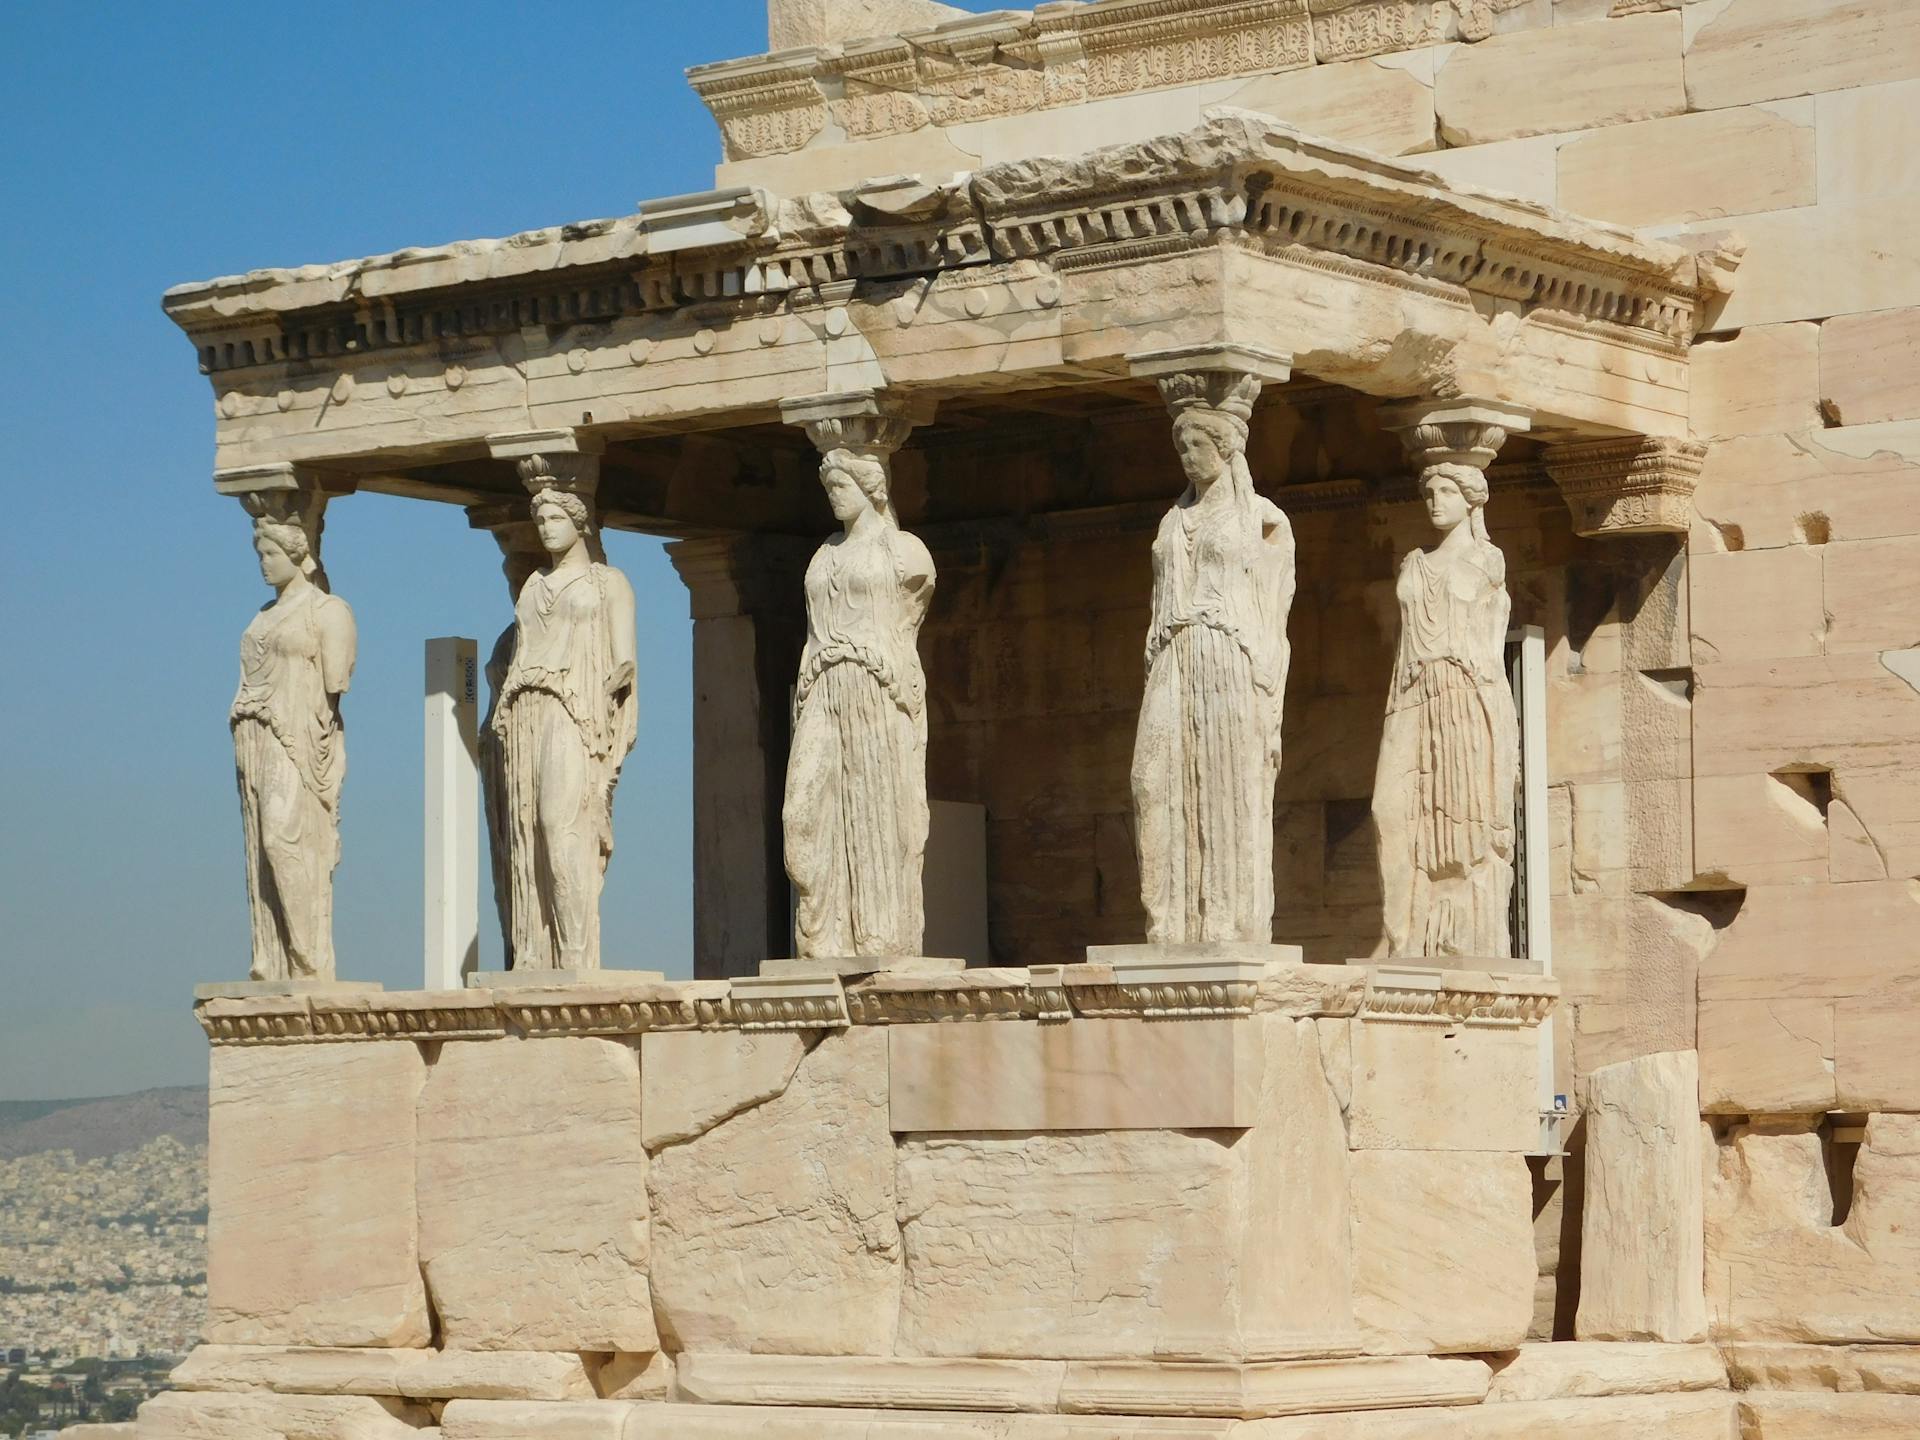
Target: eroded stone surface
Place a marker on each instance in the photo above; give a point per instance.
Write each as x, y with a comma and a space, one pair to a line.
533, 1219
178, 1416
1572, 1369
1641, 1258
1780, 1268
311, 1231
1135, 1243
532, 1420
692, 1080
417, 1374
1443, 1250
775, 1230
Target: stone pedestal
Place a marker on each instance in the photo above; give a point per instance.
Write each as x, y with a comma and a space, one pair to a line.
1166, 1184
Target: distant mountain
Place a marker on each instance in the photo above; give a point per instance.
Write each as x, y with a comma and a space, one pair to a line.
94, 1129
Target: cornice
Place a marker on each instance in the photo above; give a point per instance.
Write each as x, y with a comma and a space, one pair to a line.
1053, 993
1239, 179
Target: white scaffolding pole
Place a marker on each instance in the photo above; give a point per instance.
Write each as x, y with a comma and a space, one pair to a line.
452, 813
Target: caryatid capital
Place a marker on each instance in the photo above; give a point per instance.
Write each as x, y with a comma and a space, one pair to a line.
868, 422
564, 460
285, 494
1454, 432
1222, 377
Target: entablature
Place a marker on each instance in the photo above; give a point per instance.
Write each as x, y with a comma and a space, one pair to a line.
708, 311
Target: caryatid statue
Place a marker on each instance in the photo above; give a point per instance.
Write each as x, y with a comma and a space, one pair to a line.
289, 750
855, 814
521, 557
1444, 792
1207, 753
564, 718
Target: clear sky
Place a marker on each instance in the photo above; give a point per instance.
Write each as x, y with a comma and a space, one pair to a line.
147, 145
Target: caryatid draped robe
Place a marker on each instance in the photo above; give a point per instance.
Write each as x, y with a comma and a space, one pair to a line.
855, 812
1207, 754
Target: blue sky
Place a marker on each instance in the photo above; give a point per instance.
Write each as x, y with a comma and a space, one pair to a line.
153, 144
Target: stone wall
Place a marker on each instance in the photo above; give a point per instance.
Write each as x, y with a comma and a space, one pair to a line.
542, 1211
1734, 727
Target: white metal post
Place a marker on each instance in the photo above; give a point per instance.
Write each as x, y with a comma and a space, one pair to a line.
1530, 687
452, 813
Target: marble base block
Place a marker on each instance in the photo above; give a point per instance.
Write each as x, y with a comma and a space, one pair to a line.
509, 979
847, 966
1188, 961
279, 989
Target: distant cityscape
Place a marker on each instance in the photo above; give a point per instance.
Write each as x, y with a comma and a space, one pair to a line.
103, 1284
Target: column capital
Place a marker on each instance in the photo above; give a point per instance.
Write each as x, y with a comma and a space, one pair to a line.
1457, 431
285, 492
1218, 376
567, 460
1631, 485
510, 522
871, 422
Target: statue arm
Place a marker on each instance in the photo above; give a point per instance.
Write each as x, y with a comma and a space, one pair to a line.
913, 564
621, 626
339, 642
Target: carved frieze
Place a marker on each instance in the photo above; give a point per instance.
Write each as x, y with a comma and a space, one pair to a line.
764, 107
1153, 44
1349, 29
1631, 486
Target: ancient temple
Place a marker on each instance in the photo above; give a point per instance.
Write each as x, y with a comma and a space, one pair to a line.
1419, 600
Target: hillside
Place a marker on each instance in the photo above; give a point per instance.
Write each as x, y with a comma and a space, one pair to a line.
95, 1129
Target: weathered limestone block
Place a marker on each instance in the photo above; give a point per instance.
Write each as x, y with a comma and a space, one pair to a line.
1835, 258
1871, 592
1764, 49
1420, 1086
311, 1232
1876, 1063
731, 1422
1724, 162
1771, 1056
1442, 1251
1757, 604
864, 1380
1755, 491
793, 23
1869, 142
1537, 82
1094, 1074
691, 1080
774, 1231
1756, 830
1697, 1416
177, 1416
1763, 381
1861, 933
533, 1215
416, 1374
1137, 1244
1779, 1268
1870, 366
1574, 1370
532, 1420
1892, 1369
1381, 107
1294, 1387
1641, 1257
1823, 1417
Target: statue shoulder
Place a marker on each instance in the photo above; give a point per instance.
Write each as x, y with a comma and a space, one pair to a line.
332, 612
614, 582
912, 556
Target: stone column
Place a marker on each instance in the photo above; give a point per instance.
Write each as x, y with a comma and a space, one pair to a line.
1447, 782
749, 622
567, 711
1207, 752
511, 525
296, 660
854, 814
